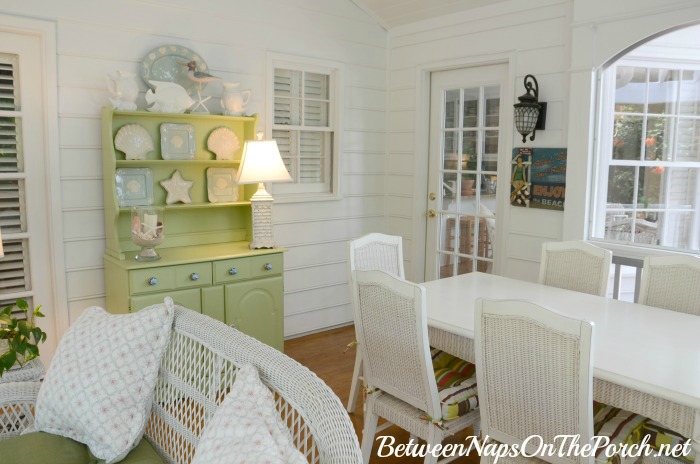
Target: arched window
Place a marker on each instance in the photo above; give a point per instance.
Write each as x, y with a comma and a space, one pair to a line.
647, 182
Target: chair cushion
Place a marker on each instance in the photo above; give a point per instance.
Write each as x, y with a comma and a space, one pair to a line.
623, 427
98, 389
42, 447
660, 435
456, 384
248, 423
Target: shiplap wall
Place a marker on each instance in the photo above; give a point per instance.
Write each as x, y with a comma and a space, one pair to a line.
535, 34
98, 38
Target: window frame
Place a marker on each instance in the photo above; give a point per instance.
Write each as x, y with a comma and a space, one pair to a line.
602, 161
331, 188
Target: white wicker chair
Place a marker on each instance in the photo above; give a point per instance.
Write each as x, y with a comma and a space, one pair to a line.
391, 324
671, 282
196, 372
517, 345
372, 251
577, 266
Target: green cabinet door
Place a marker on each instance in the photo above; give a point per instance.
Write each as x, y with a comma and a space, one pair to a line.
256, 307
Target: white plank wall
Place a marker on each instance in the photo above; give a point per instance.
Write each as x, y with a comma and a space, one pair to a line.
98, 38
478, 35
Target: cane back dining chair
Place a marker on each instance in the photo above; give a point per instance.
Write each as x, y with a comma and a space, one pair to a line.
671, 282
402, 383
535, 375
372, 251
575, 265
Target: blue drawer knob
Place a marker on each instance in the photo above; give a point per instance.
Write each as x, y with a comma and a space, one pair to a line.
194, 276
268, 266
233, 271
152, 281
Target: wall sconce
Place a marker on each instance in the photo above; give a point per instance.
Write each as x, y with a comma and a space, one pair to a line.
529, 113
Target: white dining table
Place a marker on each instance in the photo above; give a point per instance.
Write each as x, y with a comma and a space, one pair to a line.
645, 359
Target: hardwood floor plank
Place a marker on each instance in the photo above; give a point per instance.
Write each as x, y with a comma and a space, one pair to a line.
327, 354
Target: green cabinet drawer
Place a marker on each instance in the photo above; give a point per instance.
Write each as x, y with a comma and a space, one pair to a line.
156, 279
267, 265
152, 279
231, 270
188, 298
193, 275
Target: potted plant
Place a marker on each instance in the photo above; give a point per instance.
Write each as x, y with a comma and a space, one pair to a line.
19, 336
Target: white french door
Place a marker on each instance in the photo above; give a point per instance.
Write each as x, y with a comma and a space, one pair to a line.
466, 111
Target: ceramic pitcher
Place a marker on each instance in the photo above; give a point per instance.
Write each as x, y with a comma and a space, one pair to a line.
123, 90
233, 101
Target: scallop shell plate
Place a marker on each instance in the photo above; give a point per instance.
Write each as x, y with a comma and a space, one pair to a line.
134, 140
223, 142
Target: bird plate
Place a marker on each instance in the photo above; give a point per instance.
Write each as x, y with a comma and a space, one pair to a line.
169, 63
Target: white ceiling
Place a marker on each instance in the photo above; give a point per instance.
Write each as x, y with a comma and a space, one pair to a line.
392, 13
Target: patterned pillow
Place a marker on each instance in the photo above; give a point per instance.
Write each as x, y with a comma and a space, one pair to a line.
247, 427
663, 436
456, 384
98, 389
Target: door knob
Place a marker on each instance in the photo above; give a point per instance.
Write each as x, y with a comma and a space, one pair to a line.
432, 197
431, 213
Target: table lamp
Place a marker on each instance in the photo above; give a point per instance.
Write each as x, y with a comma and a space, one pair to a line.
261, 162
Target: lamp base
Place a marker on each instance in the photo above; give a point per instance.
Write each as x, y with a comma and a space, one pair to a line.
261, 204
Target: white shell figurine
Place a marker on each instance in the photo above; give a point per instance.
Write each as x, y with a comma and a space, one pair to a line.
169, 97
232, 101
223, 142
123, 91
134, 140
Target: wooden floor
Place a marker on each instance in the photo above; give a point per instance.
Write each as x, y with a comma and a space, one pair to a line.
325, 354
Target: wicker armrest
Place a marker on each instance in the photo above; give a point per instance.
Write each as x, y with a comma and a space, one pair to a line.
17, 401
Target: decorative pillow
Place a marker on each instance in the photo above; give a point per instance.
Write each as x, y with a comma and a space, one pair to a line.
623, 428
660, 436
456, 384
247, 427
98, 389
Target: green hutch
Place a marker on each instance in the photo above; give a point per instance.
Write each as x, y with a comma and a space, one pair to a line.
206, 264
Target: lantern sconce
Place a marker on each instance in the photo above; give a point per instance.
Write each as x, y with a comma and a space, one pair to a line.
530, 114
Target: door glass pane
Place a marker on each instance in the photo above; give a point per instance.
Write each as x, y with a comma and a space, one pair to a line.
448, 238
469, 152
471, 107
689, 100
449, 150
489, 159
492, 95
629, 83
468, 187
451, 109
464, 265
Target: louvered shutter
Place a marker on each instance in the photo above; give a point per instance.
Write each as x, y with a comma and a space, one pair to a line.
302, 103
14, 267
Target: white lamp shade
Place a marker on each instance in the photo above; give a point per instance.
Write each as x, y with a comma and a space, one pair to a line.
261, 162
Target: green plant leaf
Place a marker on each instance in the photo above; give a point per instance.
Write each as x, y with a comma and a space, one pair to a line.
5, 319
8, 360
37, 312
22, 304
6, 311
24, 328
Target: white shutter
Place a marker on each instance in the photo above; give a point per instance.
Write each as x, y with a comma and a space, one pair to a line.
14, 266
303, 128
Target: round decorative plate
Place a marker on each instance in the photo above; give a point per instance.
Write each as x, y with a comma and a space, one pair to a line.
223, 142
169, 63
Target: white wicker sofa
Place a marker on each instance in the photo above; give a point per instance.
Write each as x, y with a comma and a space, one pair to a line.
195, 374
